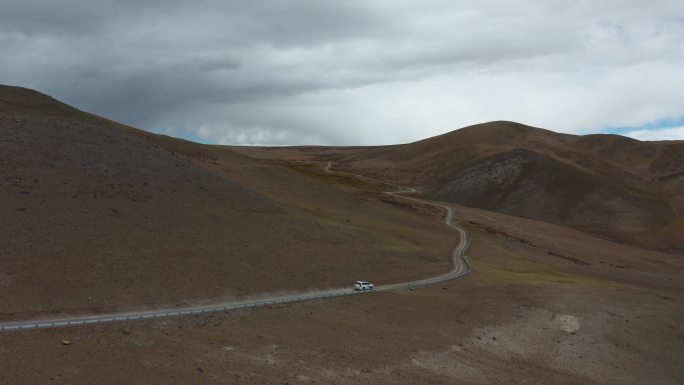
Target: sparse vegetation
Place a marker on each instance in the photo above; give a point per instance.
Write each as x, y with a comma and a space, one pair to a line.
99, 217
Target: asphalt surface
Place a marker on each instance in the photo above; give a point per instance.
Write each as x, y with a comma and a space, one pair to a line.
461, 268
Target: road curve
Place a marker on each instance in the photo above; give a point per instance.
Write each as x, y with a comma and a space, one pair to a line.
461, 268
461, 264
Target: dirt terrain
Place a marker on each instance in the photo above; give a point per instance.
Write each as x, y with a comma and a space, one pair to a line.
106, 217
616, 187
524, 317
98, 216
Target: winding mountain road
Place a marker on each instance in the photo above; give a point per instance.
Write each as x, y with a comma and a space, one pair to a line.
461, 268
461, 264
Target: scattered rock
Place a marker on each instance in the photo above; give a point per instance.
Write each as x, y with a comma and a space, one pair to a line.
567, 323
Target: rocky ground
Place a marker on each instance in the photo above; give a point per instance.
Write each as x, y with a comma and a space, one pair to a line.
97, 217
523, 317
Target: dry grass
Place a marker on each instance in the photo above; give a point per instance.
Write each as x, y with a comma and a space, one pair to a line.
545, 305
496, 326
615, 187
103, 217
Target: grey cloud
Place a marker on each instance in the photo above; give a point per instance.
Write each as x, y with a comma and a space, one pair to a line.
297, 71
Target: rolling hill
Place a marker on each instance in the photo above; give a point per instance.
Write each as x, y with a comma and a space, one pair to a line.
613, 186
99, 215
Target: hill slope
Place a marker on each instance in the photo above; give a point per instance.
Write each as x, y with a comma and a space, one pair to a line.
100, 215
610, 185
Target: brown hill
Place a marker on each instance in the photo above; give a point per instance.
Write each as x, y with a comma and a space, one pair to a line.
97, 215
617, 187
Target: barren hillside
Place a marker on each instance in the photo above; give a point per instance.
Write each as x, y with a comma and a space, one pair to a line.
96, 215
99, 217
617, 187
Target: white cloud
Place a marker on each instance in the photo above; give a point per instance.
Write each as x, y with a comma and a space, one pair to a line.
353, 72
670, 133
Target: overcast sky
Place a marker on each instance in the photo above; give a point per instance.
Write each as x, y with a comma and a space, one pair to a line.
353, 72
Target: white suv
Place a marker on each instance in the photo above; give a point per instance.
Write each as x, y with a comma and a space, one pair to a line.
362, 285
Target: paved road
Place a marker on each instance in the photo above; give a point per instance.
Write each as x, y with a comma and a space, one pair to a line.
461, 265
461, 268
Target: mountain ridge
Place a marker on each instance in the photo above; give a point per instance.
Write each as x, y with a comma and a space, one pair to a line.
616, 187
96, 209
